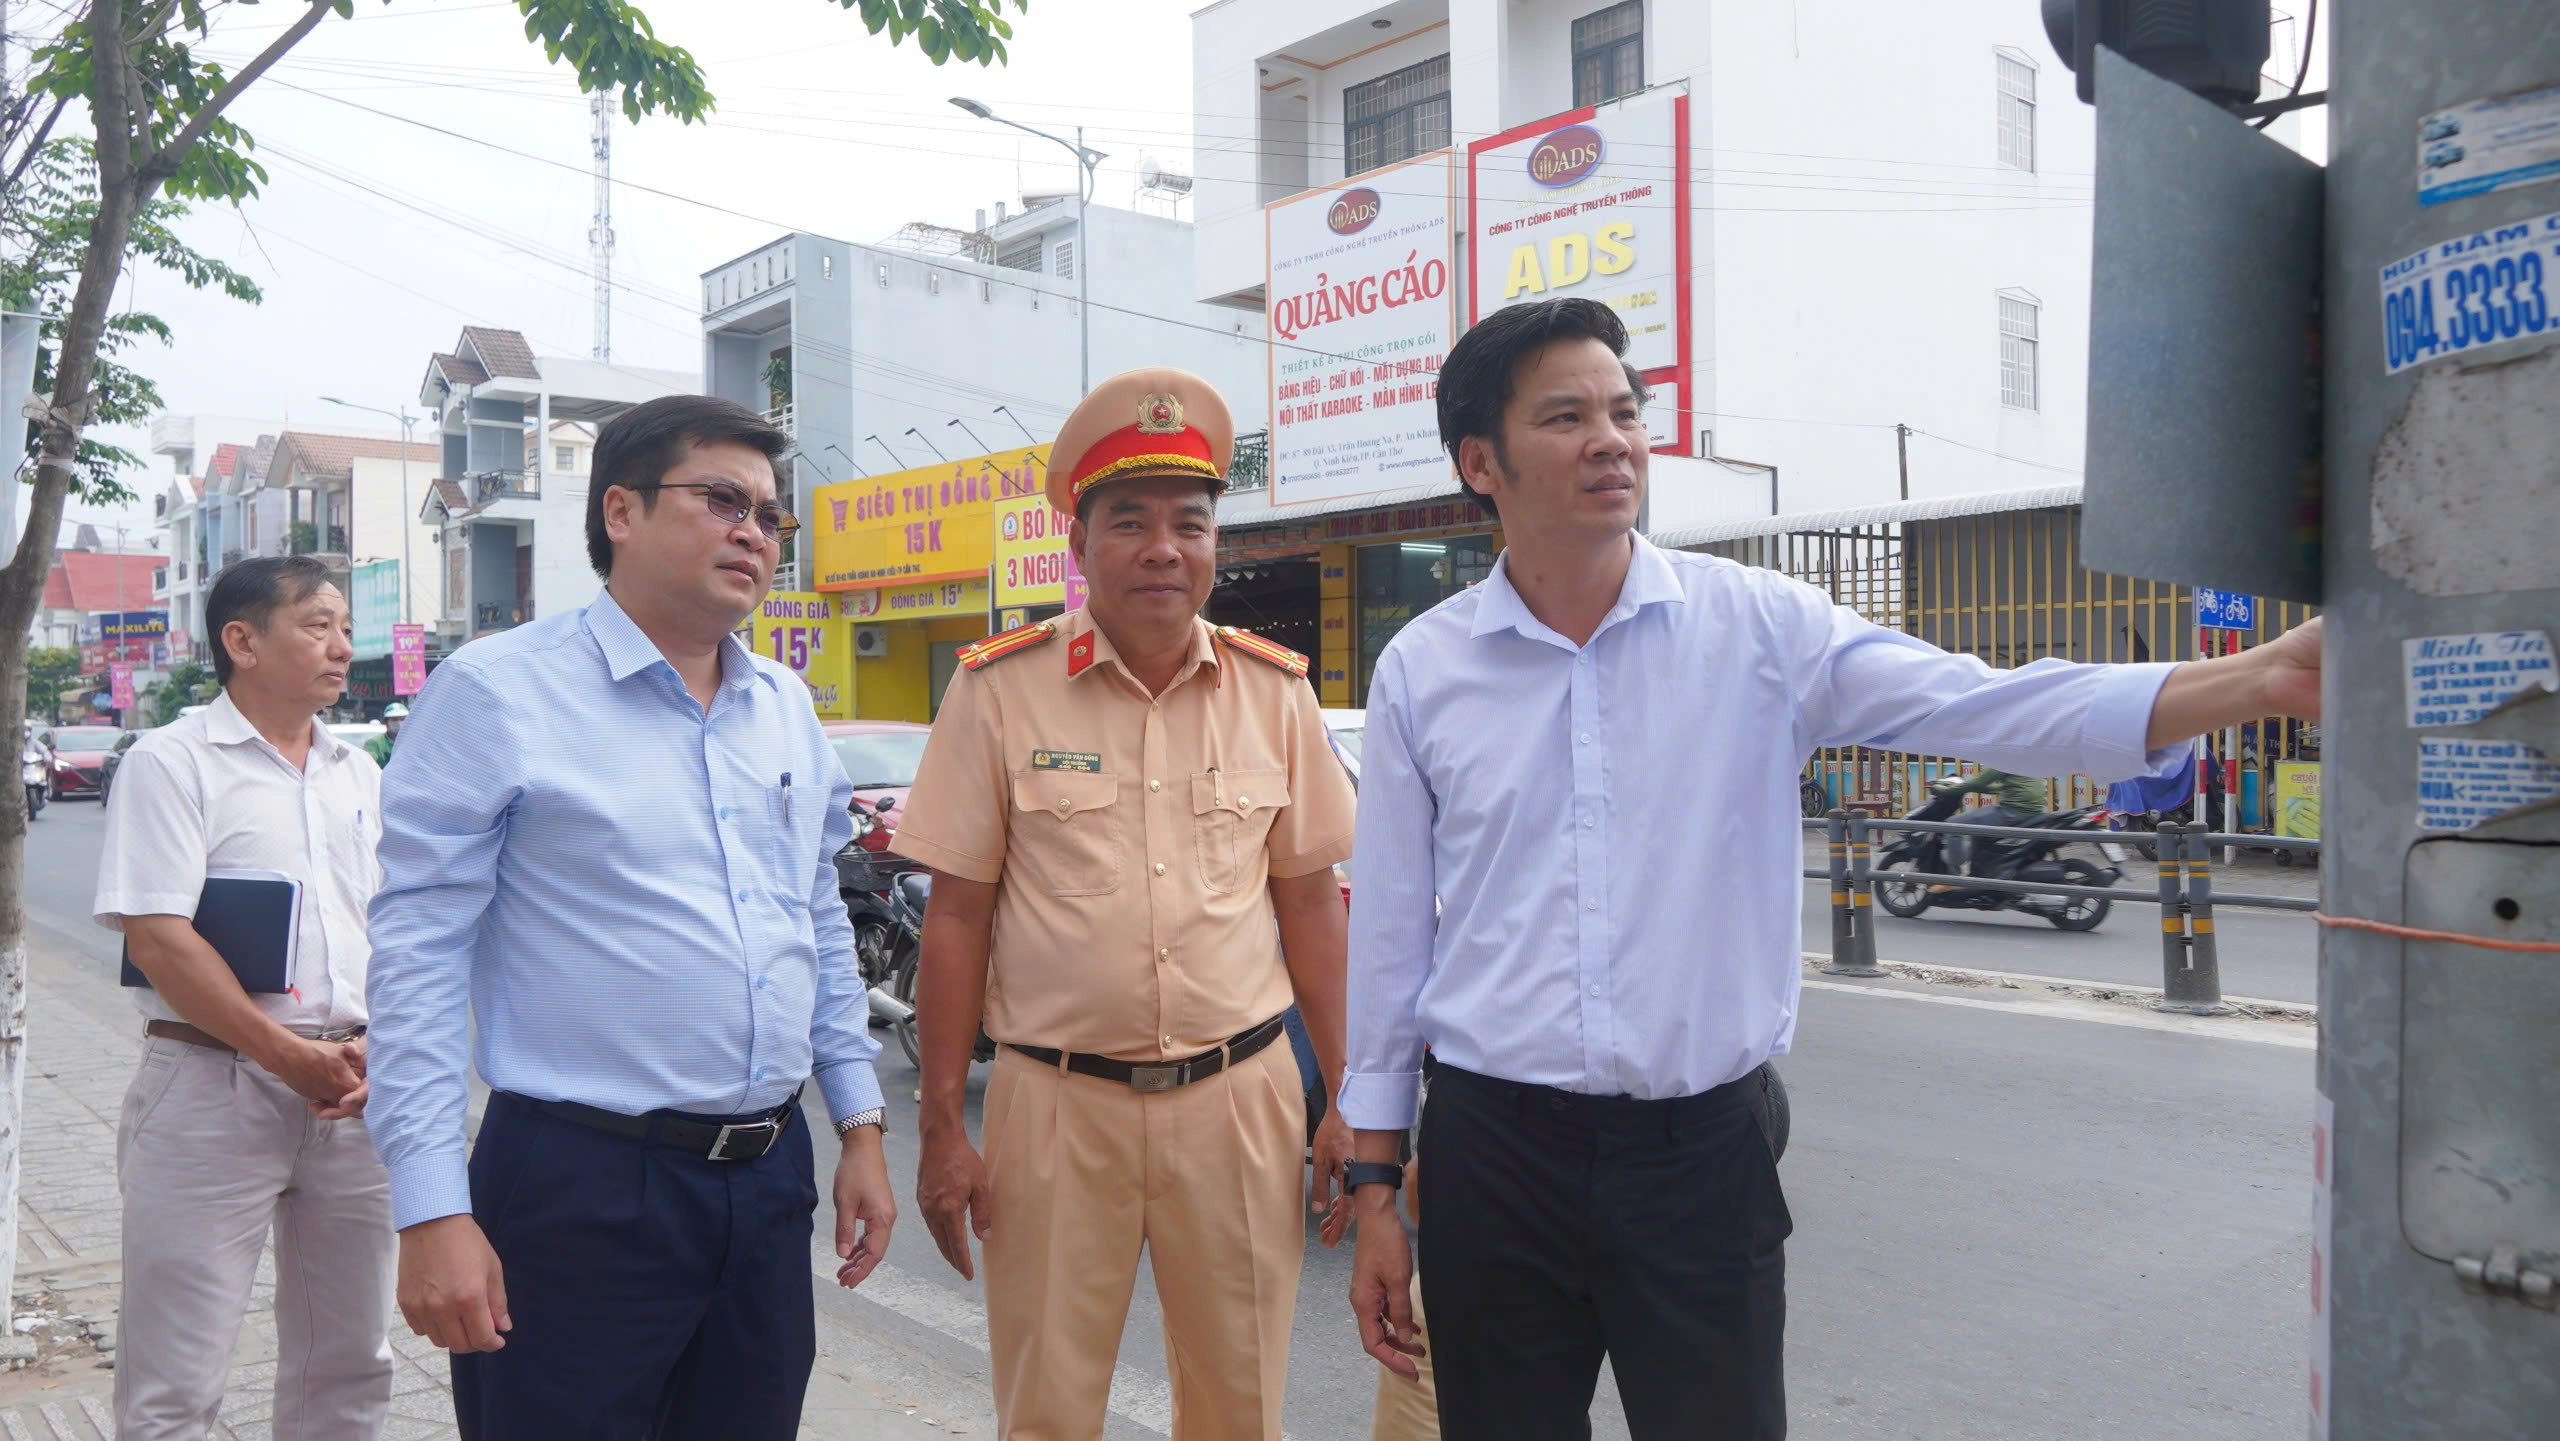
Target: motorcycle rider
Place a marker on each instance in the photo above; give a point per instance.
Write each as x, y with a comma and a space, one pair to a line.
380, 746
2015, 799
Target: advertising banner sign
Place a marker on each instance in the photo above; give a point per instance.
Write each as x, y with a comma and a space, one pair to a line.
120, 686
933, 523
408, 659
376, 604
1593, 203
1033, 564
1360, 309
807, 632
918, 602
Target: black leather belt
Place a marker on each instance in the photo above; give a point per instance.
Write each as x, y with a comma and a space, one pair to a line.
1166, 1075
713, 1140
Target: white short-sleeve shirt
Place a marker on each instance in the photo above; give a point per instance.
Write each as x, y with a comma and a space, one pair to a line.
208, 793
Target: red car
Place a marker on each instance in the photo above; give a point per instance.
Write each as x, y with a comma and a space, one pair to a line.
880, 758
80, 758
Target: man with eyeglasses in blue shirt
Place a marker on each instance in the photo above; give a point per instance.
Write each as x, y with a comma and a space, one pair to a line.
614, 838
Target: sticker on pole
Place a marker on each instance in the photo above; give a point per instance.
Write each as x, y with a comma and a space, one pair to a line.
2489, 145
2462, 783
2454, 680
2472, 291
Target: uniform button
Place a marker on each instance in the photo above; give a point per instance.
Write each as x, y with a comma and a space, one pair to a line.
1165, 954
1062, 802
1588, 823
1168, 1041
1155, 785
742, 895
1582, 660
1244, 803
761, 982
724, 813
1595, 990
1586, 737
1159, 868
759, 1073
1592, 904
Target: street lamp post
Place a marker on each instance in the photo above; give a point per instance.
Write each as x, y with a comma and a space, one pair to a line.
1086, 160
408, 517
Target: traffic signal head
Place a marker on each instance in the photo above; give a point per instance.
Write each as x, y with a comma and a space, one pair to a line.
2213, 47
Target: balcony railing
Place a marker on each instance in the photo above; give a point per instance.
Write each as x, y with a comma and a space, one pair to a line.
786, 577
781, 418
160, 580
487, 485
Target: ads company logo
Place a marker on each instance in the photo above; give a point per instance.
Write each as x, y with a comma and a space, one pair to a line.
1352, 211
1564, 156
1012, 525
835, 513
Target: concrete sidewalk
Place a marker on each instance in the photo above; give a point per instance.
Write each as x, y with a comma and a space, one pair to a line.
70, 1277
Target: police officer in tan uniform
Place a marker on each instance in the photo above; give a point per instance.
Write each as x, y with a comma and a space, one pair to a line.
1118, 805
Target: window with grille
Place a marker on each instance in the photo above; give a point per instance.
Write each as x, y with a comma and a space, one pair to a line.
1395, 117
1023, 254
2017, 113
564, 458
2017, 352
1066, 260
1608, 53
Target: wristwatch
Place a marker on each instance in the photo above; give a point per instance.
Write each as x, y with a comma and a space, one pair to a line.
1357, 1174
876, 1116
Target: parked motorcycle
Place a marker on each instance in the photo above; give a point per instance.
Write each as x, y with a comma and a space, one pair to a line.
885, 897
2007, 860
34, 771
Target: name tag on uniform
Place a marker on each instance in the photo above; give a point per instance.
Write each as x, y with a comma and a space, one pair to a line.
1066, 761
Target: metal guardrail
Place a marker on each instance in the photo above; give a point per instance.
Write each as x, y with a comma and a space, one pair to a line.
2190, 961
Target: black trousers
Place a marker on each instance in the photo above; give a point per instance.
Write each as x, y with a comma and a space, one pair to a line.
655, 1293
1562, 1227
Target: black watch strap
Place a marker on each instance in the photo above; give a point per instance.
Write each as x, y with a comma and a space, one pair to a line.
1357, 1174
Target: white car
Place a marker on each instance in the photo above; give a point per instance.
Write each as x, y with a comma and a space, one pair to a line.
1342, 727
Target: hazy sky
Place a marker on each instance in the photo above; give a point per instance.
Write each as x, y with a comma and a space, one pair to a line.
377, 239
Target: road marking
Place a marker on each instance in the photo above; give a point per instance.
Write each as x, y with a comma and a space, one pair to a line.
2264, 1033
1138, 1399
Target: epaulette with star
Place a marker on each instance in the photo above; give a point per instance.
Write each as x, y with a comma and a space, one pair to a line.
997, 647
1264, 650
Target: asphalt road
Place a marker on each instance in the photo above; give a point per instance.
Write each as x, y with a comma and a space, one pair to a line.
2009, 1226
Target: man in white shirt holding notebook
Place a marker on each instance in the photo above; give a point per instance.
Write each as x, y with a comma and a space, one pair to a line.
247, 1111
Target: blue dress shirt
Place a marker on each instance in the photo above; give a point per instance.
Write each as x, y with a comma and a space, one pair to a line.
641, 914
1612, 828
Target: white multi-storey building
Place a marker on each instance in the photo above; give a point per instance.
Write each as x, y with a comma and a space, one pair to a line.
1888, 211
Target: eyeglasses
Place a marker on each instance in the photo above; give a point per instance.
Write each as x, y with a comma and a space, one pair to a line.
729, 504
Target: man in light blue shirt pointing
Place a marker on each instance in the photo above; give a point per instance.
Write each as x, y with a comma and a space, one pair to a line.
612, 832
1600, 1007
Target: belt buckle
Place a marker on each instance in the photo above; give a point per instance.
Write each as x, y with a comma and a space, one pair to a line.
1149, 1080
720, 1145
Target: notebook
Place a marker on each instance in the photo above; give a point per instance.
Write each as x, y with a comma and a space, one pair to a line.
252, 919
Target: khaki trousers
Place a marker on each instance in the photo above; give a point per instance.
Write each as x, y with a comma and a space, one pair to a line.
1408, 1410
1207, 1179
212, 1153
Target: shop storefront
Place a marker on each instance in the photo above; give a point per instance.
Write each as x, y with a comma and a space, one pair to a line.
913, 566
1338, 587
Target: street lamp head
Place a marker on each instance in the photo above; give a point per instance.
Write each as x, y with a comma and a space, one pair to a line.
333, 400
973, 107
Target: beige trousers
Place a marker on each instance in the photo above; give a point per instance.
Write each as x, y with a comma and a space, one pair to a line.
212, 1153
1207, 1179
1408, 1410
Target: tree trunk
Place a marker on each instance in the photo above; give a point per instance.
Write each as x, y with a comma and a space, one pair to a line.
120, 194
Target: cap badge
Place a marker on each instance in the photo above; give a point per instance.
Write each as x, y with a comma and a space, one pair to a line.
1159, 415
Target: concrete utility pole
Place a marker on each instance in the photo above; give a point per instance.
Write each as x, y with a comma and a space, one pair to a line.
600, 234
2442, 1220
2401, 309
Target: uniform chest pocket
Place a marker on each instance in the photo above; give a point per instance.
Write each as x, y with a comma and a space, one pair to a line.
1067, 834
1231, 816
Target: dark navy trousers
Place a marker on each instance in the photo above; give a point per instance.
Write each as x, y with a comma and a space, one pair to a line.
655, 1294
